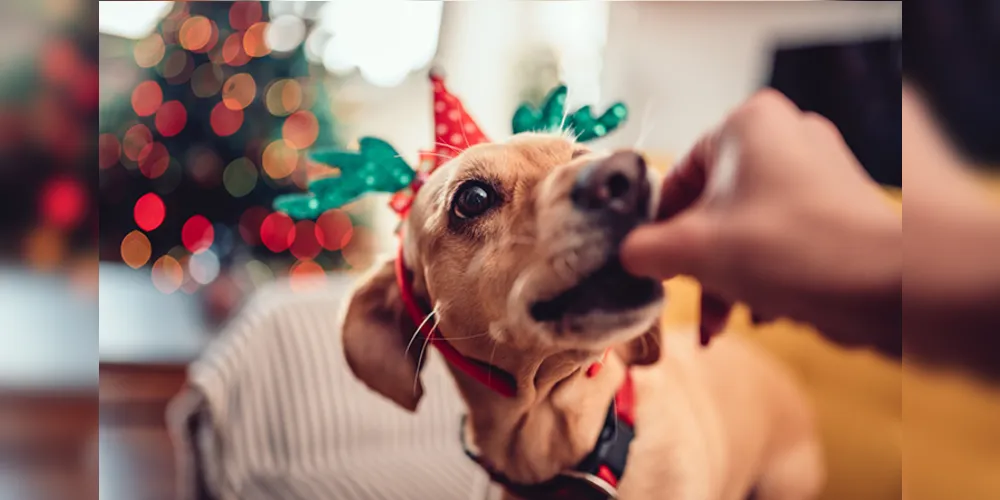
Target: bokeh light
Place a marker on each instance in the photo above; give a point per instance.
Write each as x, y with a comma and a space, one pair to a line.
306, 275
167, 274
279, 159
195, 33
206, 80
283, 97
136, 249
204, 267
240, 177
360, 250
63, 202
301, 129
242, 15
177, 67
154, 160
197, 234
277, 232
149, 212
225, 121
232, 51
44, 248
135, 140
334, 229
254, 42
250, 222
305, 245
149, 51
147, 98
109, 150
205, 167
171, 118
239, 91
284, 33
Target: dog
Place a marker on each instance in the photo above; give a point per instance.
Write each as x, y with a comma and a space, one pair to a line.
511, 249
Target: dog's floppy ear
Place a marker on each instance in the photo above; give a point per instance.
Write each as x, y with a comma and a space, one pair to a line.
376, 332
643, 350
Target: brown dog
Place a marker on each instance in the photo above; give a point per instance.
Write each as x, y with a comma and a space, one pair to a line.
513, 246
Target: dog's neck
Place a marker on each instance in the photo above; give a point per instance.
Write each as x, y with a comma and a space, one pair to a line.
552, 423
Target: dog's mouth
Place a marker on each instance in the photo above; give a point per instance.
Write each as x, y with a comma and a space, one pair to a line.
608, 290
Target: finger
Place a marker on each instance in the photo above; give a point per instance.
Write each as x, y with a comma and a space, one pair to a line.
714, 314
686, 181
666, 249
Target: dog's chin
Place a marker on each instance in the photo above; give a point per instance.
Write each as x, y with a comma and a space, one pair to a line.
604, 307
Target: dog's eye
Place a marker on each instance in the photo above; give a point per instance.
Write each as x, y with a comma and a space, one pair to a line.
472, 200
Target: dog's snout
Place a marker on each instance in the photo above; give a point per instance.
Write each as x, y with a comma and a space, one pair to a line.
616, 184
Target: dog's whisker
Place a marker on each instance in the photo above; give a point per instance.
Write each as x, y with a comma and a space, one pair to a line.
417, 331
493, 352
431, 154
420, 359
644, 125
562, 122
614, 402
461, 123
469, 337
449, 146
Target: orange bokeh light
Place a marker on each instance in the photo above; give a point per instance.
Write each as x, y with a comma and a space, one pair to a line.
306, 275
109, 150
171, 118
253, 41
149, 51
147, 98
195, 33
334, 229
301, 129
154, 160
168, 274
232, 51
242, 15
136, 138
136, 249
279, 159
239, 91
225, 121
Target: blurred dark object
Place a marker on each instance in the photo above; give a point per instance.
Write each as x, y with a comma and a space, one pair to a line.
953, 52
857, 86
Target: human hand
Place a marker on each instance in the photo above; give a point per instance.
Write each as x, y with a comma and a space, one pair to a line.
772, 209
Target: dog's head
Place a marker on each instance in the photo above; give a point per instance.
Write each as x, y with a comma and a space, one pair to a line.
514, 246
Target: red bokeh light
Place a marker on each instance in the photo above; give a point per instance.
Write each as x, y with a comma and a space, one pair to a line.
149, 212
136, 138
109, 150
250, 224
63, 202
147, 98
197, 234
305, 246
277, 232
154, 160
225, 121
306, 275
334, 229
242, 15
171, 118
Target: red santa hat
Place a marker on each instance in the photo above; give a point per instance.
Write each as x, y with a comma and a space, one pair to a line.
454, 129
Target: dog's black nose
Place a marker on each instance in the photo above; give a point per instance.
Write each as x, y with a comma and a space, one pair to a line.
616, 185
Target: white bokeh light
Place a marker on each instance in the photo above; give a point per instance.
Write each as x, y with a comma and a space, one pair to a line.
285, 33
133, 20
384, 39
204, 267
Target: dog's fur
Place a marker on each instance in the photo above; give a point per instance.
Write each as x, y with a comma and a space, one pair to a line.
710, 423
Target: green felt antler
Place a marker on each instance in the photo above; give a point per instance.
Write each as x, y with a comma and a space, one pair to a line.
552, 113
375, 167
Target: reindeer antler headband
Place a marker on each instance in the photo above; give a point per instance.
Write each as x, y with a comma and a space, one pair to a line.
376, 167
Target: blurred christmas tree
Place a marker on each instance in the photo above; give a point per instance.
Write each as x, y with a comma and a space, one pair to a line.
219, 125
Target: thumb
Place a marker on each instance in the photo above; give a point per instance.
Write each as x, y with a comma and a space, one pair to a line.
666, 249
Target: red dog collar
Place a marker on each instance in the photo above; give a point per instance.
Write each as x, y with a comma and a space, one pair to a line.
499, 380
